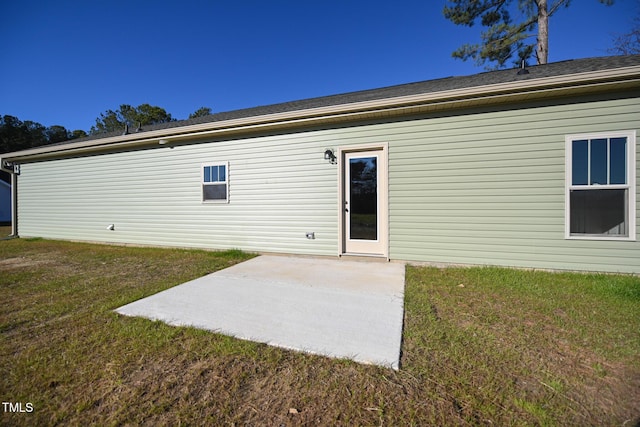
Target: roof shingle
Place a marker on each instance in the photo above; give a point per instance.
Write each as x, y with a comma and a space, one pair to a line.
561, 68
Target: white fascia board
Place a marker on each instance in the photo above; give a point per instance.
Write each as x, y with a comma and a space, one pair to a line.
542, 86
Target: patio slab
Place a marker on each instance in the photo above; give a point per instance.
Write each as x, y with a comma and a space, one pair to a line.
336, 308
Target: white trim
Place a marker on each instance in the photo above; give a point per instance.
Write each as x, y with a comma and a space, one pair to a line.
630, 186
14, 204
225, 182
383, 186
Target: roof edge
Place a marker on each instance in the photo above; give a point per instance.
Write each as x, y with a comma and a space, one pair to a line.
543, 85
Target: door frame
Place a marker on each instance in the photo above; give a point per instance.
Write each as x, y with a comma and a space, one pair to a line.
383, 189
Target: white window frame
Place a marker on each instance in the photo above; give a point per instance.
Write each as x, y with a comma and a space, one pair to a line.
630, 186
225, 182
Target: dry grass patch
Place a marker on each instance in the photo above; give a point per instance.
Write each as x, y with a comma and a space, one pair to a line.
507, 348
5, 230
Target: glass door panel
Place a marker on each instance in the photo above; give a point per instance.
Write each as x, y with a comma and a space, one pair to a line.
363, 198
364, 215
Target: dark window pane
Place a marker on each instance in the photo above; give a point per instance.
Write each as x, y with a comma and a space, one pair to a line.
599, 161
222, 172
214, 192
599, 212
579, 153
363, 192
207, 174
618, 161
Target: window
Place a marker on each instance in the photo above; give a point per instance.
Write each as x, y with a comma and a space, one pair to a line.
600, 186
215, 183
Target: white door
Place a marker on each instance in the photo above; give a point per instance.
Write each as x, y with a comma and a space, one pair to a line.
364, 198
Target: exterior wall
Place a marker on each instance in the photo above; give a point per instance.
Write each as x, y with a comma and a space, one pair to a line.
471, 187
280, 187
5, 202
489, 188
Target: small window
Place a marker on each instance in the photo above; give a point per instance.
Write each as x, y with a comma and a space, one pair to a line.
600, 186
215, 184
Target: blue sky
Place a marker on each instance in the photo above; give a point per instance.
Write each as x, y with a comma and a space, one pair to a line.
64, 62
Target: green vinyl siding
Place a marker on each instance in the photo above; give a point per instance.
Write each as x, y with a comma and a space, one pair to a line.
489, 188
279, 189
467, 187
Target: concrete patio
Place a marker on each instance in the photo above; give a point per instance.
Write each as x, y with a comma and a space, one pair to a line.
336, 308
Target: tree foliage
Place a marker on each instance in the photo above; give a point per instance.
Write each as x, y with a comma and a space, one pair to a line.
56, 133
131, 117
18, 135
78, 133
200, 112
628, 43
515, 29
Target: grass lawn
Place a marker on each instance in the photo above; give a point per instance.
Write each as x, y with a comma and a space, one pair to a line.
5, 230
482, 346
